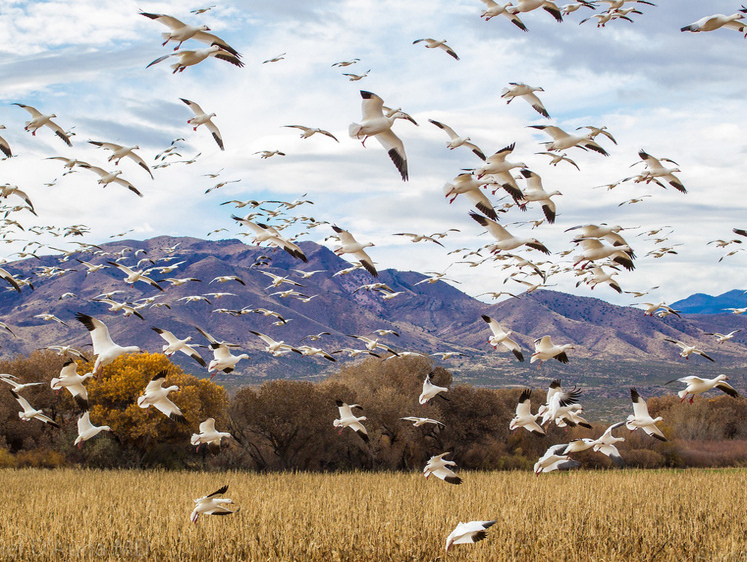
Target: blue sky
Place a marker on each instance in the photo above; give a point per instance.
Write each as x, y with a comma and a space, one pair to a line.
676, 95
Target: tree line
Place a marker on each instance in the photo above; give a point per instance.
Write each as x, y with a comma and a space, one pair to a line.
287, 424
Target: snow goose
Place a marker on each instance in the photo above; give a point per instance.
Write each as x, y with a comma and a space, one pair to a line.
457, 141
505, 240
86, 430
373, 344
70, 379
529, 5
501, 337
496, 164
430, 390
559, 404
555, 458
640, 418
467, 533
545, 350
278, 280
717, 21
349, 245
269, 234
181, 32
10, 279
174, 344
17, 386
277, 58
202, 118
599, 276
562, 140
264, 154
223, 360
212, 505
273, 347
4, 146
39, 120
417, 422
595, 131
570, 8
698, 385
557, 158
436, 44
655, 169
721, 338
307, 132
29, 413
526, 92
190, 58
469, 186
524, 416
605, 444
133, 276
536, 193
208, 434
439, 467
7, 190
119, 152
309, 351
355, 77
105, 178
344, 63
348, 419
115, 307
374, 123
594, 250
156, 395
687, 350
103, 346
493, 9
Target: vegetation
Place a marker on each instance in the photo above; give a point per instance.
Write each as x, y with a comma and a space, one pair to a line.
599, 515
287, 425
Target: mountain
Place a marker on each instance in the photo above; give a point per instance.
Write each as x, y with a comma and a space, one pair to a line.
614, 346
700, 303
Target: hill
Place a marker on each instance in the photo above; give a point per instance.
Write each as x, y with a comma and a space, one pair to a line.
700, 303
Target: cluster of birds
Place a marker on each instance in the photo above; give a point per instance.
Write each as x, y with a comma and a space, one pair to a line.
602, 250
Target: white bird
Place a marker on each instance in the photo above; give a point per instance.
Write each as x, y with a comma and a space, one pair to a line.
526, 92
557, 158
39, 120
524, 416
457, 141
373, 344
133, 276
208, 434
717, 21
190, 58
687, 350
310, 351
505, 240
501, 337
594, 250
436, 44
223, 360
181, 32
529, 5
4, 146
86, 430
29, 413
555, 458
698, 385
467, 533
563, 141
655, 169
156, 395
348, 419
439, 467
17, 386
561, 406
349, 245
536, 193
306, 132
273, 347
640, 418
493, 9
467, 184
212, 505
174, 344
278, 280
10, 279
202, 118
545, 350
103, 346
721, 338
570, 8
374, 123
605, 444
417, 422
269, 234
431, 390
70, 379
119, 152
105, 178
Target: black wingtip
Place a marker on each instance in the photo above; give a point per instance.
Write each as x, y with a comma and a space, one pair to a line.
367, 95
453, 480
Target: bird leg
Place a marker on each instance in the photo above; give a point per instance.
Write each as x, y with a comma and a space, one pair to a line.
691, 398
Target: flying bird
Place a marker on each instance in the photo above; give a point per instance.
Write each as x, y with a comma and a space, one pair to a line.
349, 245
212, 505
157, 396
641, 419
435, 44
306, 132
29, 413
38, 120
86, 430
526, 92
501, 337
119, 152
181, 32
190, 58
348, 419
202, 118
208, 434
467, 533
457, 141
103, 346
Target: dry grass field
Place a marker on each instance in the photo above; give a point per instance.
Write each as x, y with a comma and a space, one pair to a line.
607, 515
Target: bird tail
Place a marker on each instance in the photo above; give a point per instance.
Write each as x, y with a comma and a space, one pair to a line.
682, 393
354, 130
165, 36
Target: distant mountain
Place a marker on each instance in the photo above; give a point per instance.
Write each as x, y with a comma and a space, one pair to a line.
615, 346
700, 303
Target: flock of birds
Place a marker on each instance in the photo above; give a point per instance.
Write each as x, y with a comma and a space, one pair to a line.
602, 251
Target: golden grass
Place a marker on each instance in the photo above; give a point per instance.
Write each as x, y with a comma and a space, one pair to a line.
607, 515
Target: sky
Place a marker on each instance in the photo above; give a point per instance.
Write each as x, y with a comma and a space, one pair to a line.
675, 95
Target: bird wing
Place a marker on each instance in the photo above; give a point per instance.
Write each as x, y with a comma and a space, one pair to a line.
481, 202
640, 409
216, 133
100, 337
500, 156
498, 232
207, 426
536, 104
84, 423
211, 39
100, 171
475, 149
140, 162
396, 150
128, 185
448, 130
167, 407
371, 106
366, 262
32, 110
524, 407
728, 389
107, 145
168, 21
196, 109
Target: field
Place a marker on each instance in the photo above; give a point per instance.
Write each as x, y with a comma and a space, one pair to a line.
607, 515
